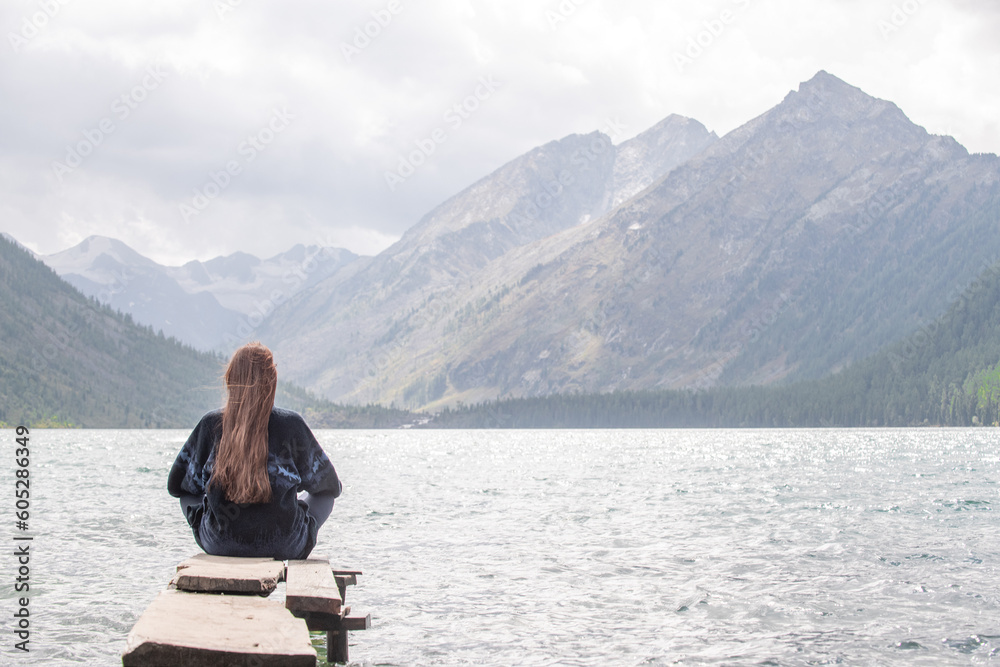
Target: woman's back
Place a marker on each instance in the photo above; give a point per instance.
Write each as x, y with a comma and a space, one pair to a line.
274, 523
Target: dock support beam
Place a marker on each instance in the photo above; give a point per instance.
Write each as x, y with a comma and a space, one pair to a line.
336, 646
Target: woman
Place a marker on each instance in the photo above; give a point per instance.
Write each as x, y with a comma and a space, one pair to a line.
239, 473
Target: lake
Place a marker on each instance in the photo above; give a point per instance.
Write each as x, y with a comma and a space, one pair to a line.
646, 547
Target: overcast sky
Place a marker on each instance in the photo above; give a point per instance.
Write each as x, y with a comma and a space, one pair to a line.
194, 128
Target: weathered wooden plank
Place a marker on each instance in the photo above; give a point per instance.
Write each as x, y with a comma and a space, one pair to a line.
310, 586
223, 574
202, 630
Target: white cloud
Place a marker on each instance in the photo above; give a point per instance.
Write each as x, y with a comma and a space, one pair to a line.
354, 116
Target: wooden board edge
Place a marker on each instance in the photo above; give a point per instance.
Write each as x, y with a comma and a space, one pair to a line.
310, 605
149, 653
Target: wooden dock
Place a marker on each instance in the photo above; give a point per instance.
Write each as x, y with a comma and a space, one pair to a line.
216, 613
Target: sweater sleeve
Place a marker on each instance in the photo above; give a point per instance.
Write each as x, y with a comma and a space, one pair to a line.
315, 468
189, 474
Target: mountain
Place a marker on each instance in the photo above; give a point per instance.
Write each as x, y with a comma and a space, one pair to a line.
642, 161
67, 360
210, 305
252, 287
121, 278
804, 240
17, 243
552, 188
549, 190
945, 373
775, 244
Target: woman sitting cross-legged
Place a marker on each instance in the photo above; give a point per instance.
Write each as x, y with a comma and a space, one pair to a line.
251, 478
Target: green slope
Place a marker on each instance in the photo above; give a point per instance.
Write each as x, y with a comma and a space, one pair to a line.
947, 372
65, 360
869, 292
321, 413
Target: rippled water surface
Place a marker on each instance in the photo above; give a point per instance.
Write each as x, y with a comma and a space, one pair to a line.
803, 547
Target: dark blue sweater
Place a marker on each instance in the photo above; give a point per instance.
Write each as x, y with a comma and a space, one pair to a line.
278, 529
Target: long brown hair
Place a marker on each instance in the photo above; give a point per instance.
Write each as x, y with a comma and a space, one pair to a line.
241, 457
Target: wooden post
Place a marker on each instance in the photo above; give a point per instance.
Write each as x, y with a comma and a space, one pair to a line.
342, 586
336, 646
337, 633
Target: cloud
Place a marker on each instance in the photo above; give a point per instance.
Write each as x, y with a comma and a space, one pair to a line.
368, 83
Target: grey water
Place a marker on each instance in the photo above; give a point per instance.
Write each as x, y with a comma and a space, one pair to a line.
655, 547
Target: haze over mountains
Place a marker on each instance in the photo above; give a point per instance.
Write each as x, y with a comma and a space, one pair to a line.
806, 239
209, 305
67, 361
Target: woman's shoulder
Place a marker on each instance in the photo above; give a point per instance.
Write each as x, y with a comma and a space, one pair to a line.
210, 418
208, 426
286, 419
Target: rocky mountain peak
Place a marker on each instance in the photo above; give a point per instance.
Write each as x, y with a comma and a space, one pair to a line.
98, 255
826, 97
556, 186
510, 192
238, 266
825, 121
656, 152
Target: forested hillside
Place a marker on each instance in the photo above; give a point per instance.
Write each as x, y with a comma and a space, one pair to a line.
65, 360
321, 413
945, 373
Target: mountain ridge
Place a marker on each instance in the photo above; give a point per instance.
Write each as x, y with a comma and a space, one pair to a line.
797, 244
69, 361
665, 289
211, 305
945, 373
552, 188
